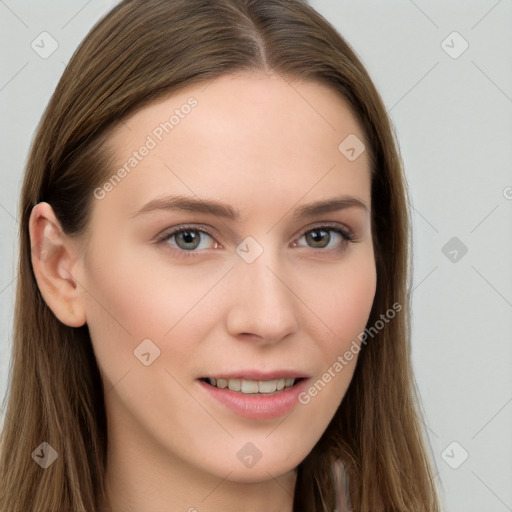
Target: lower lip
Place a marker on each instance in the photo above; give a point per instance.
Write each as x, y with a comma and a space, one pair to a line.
258, 406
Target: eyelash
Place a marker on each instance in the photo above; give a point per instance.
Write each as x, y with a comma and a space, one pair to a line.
347, 236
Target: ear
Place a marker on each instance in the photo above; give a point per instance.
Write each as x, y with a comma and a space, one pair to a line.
55, 256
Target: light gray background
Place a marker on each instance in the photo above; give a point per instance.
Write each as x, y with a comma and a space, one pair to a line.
453, 118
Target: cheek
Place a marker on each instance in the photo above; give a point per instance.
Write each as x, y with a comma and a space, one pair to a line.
350, 304
342, 299
129, 301
344, 308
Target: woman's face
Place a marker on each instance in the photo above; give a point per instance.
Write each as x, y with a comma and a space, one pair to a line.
261, 285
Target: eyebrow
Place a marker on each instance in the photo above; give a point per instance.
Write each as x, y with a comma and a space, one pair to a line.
190, 204
212, 207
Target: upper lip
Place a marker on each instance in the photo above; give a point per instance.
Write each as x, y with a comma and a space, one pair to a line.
258, 375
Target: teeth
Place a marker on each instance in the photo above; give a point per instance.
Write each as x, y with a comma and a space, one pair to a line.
249, 386
252, 387
234, 384
267, 386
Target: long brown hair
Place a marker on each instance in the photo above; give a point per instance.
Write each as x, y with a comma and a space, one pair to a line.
139, 52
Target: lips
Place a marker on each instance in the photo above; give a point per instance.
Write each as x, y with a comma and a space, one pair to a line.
255, 395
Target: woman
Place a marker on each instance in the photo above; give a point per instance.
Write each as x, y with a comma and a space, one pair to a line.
212, 307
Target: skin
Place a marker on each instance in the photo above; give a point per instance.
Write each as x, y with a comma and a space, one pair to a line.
265, 146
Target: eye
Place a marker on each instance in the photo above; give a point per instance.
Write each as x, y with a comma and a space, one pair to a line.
326, 237
188, 239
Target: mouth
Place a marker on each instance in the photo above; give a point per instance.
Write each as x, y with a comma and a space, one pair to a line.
254, 394
253, 387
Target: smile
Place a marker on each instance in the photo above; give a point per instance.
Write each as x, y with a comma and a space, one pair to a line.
253, 387
253, 398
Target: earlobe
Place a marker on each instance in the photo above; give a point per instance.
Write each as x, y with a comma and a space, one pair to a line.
54, 258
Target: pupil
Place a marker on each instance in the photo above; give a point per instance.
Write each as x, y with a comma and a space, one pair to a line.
317, 236
189, 237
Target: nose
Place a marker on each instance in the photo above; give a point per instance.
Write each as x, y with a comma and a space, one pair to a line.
262, 304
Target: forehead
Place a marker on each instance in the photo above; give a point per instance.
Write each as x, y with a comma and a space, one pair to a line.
241, 138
